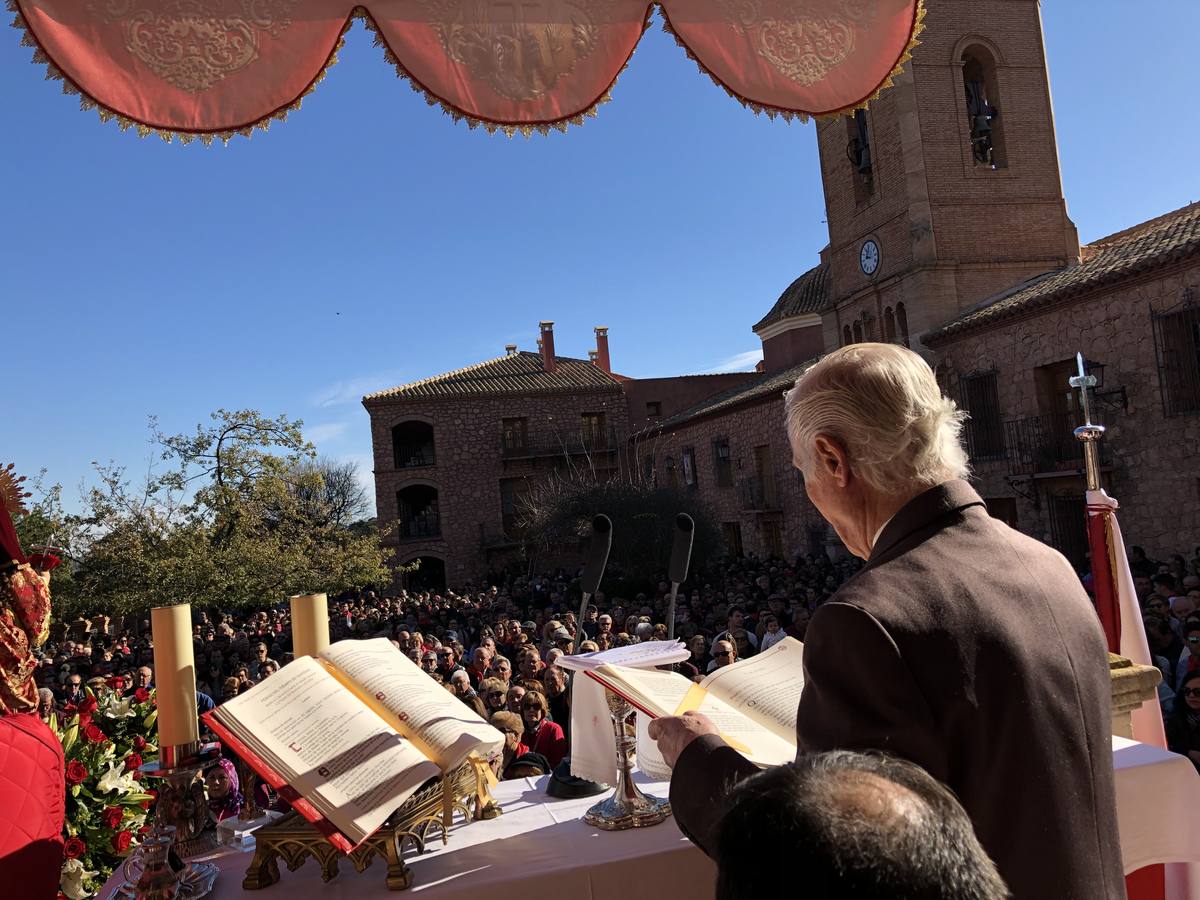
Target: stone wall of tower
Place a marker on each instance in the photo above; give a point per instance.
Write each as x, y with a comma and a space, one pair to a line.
952, 232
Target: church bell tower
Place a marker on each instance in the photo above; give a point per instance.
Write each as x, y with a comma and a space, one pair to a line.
947, 190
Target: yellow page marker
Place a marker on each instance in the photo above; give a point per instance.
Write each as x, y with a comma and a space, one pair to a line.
692, 701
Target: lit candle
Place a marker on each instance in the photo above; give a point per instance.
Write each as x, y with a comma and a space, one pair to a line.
310, 624
174, 675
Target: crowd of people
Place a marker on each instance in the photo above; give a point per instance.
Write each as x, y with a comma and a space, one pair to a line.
1169, 593
492, 644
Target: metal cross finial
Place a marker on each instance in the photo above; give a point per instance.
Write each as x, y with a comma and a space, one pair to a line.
1088, 433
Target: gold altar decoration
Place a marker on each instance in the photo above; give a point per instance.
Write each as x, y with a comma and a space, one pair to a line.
1132, 685
466, 790
217, 68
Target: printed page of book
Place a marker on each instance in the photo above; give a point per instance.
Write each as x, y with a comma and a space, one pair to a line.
766, 688
440, 724
329, 746
660, 693
655, 691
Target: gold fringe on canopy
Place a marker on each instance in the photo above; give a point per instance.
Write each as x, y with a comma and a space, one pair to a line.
161, 67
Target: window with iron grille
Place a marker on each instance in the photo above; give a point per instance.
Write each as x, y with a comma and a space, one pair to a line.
979, 395
722, 464
514, 435
1177, 346
690, 476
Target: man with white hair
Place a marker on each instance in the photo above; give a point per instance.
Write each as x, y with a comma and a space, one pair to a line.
962, 645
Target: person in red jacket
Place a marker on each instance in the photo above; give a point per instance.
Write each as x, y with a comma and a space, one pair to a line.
32, 797
542, 735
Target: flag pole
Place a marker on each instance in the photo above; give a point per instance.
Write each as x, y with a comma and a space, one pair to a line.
1104, 566
1087, 433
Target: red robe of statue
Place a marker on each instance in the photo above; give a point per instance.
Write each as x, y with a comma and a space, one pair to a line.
32, 788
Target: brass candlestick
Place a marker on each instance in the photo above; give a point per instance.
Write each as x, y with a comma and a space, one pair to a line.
628, 807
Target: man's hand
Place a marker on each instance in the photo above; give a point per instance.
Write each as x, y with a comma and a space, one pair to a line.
674, 733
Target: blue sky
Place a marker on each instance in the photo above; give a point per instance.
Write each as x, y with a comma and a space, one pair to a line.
369, 241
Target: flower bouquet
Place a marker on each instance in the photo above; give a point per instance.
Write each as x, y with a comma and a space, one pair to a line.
104, 741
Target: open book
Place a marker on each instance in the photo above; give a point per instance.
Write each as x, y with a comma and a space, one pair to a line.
753, 702
350, 736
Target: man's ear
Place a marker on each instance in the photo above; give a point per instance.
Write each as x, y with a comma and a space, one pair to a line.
831, 458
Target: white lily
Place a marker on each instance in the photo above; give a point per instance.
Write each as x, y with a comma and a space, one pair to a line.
117, 779
120, 709
71, 879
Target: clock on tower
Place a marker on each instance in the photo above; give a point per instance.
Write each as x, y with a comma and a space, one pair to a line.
868, 257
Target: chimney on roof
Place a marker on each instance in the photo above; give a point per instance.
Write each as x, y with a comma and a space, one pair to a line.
510, 349
592, 357
602, 358
546, 344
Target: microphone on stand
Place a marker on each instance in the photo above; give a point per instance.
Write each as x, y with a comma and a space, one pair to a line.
681, 557
593, 569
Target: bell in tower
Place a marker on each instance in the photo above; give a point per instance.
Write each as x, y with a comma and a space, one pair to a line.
935, 199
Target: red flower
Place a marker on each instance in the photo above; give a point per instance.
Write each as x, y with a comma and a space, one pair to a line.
132, 761
77, 772
141, 695
139, 742
121, 840
95, 734
145, 829
112, 815
74, 848
146, 804
88, 705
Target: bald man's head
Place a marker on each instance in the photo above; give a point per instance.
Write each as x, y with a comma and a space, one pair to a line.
850, 826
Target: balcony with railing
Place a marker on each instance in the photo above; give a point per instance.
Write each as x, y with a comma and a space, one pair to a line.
420, 525
1045, 445
521, 445
758, 494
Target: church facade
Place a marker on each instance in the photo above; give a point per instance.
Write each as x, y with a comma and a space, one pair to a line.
948, 233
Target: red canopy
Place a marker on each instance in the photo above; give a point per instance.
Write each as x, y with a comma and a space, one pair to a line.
220, 67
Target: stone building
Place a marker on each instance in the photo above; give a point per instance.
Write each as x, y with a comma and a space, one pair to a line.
1131, 308
454, 453
948, 233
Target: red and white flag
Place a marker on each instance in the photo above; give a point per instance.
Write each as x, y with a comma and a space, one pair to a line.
1117, 604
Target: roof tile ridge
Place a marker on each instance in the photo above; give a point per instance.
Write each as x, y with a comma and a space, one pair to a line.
432, 379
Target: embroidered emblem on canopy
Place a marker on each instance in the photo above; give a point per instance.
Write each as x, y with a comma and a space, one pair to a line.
215, 68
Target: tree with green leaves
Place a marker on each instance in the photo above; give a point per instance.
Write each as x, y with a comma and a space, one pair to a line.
242, 513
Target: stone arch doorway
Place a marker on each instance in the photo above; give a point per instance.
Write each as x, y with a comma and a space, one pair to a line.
430, 575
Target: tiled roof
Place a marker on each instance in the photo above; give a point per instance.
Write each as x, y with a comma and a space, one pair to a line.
807, 294
520, 374
1153, 243
768, 384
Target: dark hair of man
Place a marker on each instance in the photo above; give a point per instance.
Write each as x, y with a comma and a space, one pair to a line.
1164, 579
850, 826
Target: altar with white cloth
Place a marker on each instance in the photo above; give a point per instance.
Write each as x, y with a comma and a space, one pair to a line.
540, 847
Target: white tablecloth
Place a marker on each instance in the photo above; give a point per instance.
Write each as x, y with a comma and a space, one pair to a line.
540, 847
1158, 814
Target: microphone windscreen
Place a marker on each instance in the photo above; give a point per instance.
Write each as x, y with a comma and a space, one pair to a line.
681, 550
601, 543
